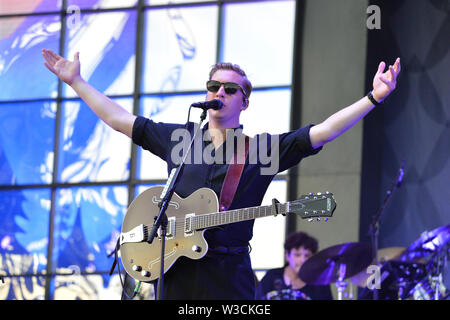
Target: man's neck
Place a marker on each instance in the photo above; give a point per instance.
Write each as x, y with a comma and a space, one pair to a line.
218, 136
218, 133
218, 125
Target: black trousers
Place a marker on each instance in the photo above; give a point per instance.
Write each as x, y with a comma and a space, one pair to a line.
214, 277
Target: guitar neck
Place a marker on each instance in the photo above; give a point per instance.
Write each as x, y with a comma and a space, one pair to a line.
209, 220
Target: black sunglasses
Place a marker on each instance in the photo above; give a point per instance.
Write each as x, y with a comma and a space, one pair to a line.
229, 87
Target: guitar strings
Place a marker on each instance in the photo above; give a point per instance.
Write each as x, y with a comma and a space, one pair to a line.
181, 227
228, 216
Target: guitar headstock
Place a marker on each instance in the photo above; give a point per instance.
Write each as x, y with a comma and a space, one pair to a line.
314, 205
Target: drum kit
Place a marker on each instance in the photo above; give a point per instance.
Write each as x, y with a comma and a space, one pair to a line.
412, 273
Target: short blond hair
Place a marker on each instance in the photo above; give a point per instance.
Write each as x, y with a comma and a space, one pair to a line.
236, 68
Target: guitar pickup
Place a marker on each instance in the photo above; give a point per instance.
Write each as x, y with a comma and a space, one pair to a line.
188, 224
137, 234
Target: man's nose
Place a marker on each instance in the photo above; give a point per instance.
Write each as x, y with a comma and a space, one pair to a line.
221, 91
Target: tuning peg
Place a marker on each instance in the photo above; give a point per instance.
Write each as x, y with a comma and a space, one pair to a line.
326, 219
318, 219
310, 219
319, 193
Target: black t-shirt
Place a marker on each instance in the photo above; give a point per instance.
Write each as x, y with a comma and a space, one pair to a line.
220, 276
268, 155
273, 281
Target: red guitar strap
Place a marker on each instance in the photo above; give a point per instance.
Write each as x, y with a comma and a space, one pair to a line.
232, 177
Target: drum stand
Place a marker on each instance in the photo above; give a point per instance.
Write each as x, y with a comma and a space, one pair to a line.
341, 284
401, 288
436, 274
436, 282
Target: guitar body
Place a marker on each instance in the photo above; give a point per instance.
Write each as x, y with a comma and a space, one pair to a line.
142, 260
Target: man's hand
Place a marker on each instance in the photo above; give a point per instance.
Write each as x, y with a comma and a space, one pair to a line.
384, 82
67, 71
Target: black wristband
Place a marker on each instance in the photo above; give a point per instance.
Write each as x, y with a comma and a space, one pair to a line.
372, 99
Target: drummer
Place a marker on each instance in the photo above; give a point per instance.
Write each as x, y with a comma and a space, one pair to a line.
298, 247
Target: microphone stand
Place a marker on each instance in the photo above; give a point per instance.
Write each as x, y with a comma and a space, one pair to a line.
374, 228
166, 196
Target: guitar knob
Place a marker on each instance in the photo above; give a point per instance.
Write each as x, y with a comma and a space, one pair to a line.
145, 273
196, 249
137, 268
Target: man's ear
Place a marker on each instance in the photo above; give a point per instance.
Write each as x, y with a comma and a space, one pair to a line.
244, 104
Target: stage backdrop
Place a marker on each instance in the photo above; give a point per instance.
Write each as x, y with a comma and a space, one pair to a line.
66, 179
413, 124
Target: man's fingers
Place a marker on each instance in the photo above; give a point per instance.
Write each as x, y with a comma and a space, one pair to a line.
46, 55
393, 73
386, 82
381, 67
49, 57
50, 68
53, 57
397, 67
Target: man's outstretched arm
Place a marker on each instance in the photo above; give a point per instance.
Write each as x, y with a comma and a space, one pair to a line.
383, 84
106, 109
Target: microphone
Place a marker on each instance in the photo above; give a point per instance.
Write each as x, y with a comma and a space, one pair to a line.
401, 173
205, 105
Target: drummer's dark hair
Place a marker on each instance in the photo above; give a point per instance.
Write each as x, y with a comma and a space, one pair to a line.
301, 239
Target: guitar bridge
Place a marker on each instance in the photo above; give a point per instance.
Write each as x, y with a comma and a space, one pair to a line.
137, 234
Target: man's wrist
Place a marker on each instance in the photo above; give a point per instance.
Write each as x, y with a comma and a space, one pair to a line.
76, 81
374, 99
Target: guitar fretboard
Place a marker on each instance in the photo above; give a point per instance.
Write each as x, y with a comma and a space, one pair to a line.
225, 217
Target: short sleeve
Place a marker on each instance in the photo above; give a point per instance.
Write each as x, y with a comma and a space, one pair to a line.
294, 146
154, 136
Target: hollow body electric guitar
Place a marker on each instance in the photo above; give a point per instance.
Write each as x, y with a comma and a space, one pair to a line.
188, 218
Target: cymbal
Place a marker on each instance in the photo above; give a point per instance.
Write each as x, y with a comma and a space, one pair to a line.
343, 260
428, 243
390, 253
